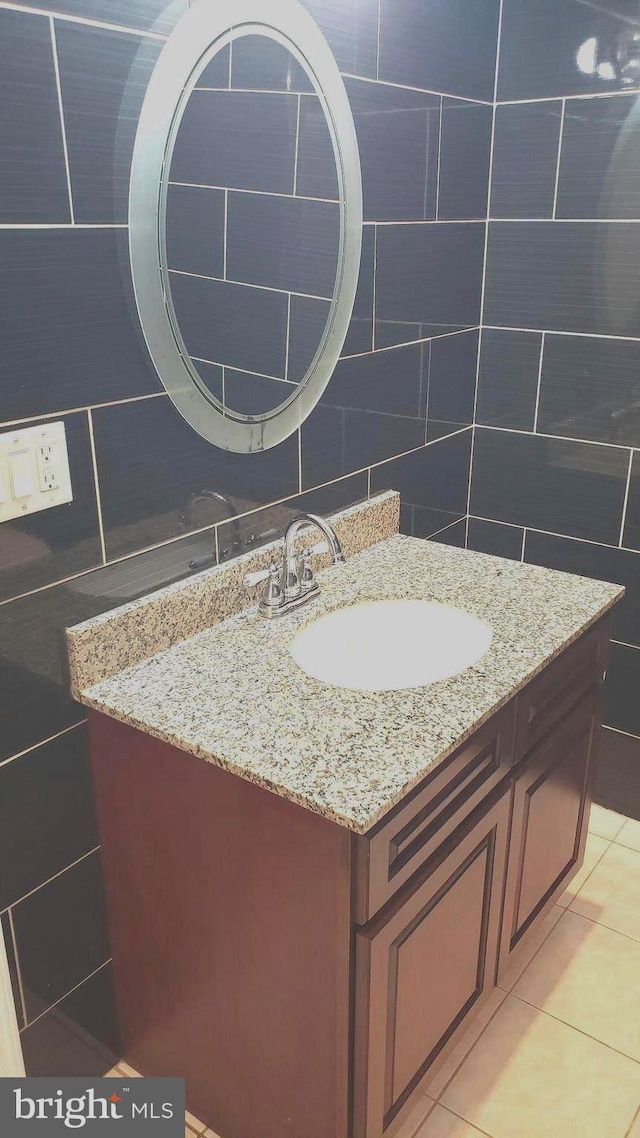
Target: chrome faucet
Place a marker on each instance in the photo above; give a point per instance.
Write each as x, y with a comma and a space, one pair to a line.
292, 584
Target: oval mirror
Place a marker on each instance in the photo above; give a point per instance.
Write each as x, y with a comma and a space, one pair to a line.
245, 219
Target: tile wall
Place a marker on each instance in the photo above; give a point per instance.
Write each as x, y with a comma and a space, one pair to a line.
556, 458
420, 76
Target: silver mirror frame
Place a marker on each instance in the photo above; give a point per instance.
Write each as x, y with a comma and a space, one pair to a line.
200, 34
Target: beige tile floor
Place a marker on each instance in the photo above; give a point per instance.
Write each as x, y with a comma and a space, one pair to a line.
556, 1053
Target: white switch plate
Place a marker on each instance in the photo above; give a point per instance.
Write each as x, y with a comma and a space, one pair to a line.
34, 470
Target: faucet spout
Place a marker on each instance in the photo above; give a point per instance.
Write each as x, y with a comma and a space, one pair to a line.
290, 576
293, 583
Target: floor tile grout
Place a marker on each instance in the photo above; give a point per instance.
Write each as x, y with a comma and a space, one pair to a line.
609, 928
543, 1012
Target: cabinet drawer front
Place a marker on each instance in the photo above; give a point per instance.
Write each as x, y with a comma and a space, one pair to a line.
401, 843
549, 822
424, 968
549, 697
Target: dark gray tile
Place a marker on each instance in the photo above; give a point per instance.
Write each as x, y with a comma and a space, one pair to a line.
632, 523
571, 488
360, 333
465, 147
441, 45
253, 394
80, 1036
546, 48
48, 815
563, 276
267, 525
152, 463
150, 15
508, 378
393, 382
73, 286
424, 521
622, 708
336, 441
285, 243
617, 774
307, 323
452, 378
258, 62
600, 163
398, 134
602, 562
241, 140
428, 280
62, 540
351, 28
104, 77
495, 538
214, 316
435, 477
33, 182
454, 535
7, 935
61, 934
195, 230
525, 159
216, 73
590, 389
316, 167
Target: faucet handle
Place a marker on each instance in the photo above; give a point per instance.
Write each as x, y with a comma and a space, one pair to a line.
253, 579
307, 580
319, 547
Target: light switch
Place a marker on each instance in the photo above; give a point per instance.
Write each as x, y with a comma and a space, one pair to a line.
34, 470
21, 474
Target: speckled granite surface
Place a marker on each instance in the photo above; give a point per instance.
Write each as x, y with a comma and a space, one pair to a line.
126, 635
233, 695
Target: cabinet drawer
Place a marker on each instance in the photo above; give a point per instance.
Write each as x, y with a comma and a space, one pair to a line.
424, 967
395, 849
549, 697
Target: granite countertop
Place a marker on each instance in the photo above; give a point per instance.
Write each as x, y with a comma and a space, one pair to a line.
232, 694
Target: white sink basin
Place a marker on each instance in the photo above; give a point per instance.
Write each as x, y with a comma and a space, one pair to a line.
389, 645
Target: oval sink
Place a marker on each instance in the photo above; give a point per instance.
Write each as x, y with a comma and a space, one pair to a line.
389, 645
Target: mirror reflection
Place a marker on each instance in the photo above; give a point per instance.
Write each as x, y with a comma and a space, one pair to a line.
252, 225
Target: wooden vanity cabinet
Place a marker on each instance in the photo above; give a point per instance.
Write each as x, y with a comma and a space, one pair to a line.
308, 980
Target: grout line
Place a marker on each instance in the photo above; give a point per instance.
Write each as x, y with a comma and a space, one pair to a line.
96, 483
546, 435
561, 332
217, 545
552, 533
14, 945
70, 992
35, 11
79, 410
619, 731
557, 181
299, 460
483, 287
206, 529
374, 298
369, 482
569, 97
626, 499
573, 1027
448, 526
433, 221
64, 225
230, 74
296, 148
247, 284
628, 1133
241, 370
524, 541
408, 87
439, 157
466, 1056
537, 404
43, 742
63, 130
378, 39
287, 339
411, 343
60, 872
224, 235
256, 193
575, 913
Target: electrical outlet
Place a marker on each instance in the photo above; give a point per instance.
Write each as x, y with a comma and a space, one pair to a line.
34, 470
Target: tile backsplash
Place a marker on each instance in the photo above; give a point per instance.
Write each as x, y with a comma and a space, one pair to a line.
556, 458
397, 414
